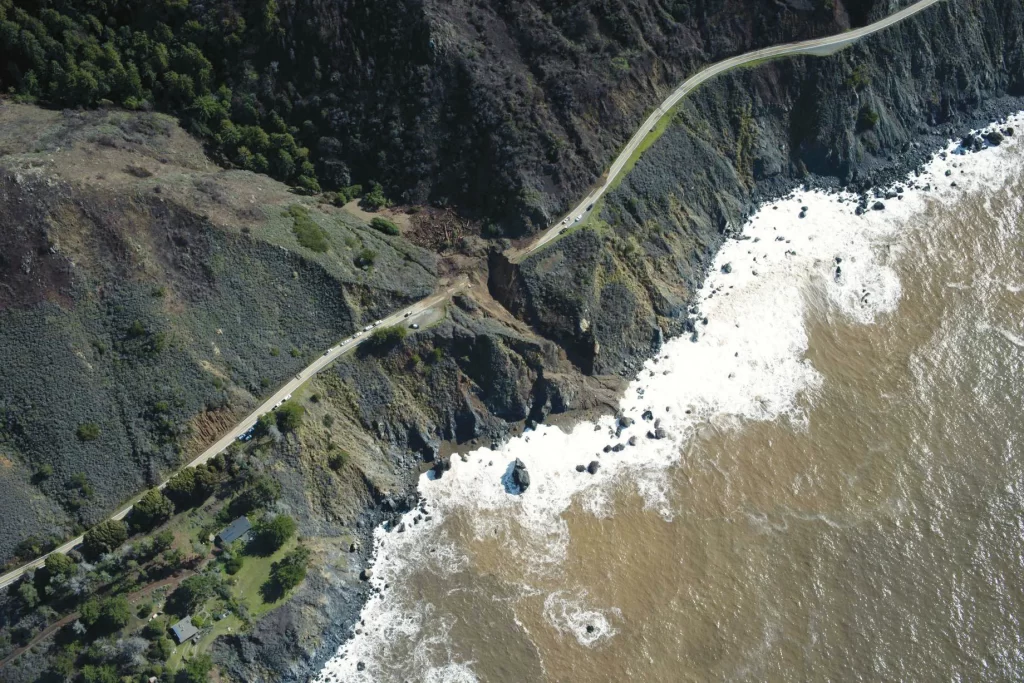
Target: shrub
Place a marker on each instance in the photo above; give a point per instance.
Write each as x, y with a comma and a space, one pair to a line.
59, 564
289, 416
384, 339
384, 225
307, 232
196, 670
43, 473
153, 509
286, 574
337, 460
365, 257
155, 629
234, 564
104, 673
262, 491
192, 593
88, 431
866, 118
162, 541
161, 649
28, 595
191, 486
106, 614
273, 533
104, 537
374, 200
860, 77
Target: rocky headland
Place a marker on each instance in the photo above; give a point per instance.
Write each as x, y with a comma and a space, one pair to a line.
555, 334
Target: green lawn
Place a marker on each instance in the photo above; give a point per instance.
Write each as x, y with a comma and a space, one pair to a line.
245, 587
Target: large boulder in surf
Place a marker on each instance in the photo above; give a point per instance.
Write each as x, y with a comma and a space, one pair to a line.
520, 476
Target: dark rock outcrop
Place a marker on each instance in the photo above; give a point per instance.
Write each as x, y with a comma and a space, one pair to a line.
520, 476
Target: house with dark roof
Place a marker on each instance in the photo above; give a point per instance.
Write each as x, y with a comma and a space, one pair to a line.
234, 531
184, 630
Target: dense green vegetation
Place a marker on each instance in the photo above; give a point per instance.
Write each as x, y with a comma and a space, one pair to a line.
384, 339
285, 574
272, 533
104, 537
384, 225
289, 416
307, 232
152, 509
113, 588
162, 54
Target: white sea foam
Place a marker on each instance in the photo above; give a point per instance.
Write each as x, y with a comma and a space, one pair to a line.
569, 614
747, 364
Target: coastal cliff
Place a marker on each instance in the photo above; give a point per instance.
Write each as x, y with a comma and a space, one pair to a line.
608, 294
525, 104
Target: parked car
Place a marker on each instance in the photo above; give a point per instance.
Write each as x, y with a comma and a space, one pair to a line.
415, 326
367, 328
579, 218
378, 323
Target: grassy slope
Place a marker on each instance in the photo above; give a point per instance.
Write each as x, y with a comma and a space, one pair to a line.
117, 218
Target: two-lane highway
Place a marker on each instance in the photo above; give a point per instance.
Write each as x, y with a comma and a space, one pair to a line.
406, 316
817, 46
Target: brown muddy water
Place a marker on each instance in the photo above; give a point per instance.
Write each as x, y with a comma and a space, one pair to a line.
843, 501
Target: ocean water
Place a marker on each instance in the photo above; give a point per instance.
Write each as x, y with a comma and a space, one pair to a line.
838, 493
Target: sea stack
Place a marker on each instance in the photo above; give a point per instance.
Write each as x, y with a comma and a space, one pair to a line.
520, 476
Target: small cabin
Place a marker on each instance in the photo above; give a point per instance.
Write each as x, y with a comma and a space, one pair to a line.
234, 531
184, 630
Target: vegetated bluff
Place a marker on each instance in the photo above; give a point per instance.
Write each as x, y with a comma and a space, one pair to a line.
508, 109
148, 300
604, 294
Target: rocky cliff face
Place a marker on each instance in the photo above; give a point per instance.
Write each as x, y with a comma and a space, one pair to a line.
858, 118
469, 378
607, 296
509, 110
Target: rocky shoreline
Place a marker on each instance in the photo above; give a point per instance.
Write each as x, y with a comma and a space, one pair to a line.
604, 300
347, 601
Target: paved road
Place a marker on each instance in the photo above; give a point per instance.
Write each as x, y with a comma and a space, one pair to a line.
418, 312
817, 46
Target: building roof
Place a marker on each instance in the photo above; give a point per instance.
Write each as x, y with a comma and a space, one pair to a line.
184, 630
238, 528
